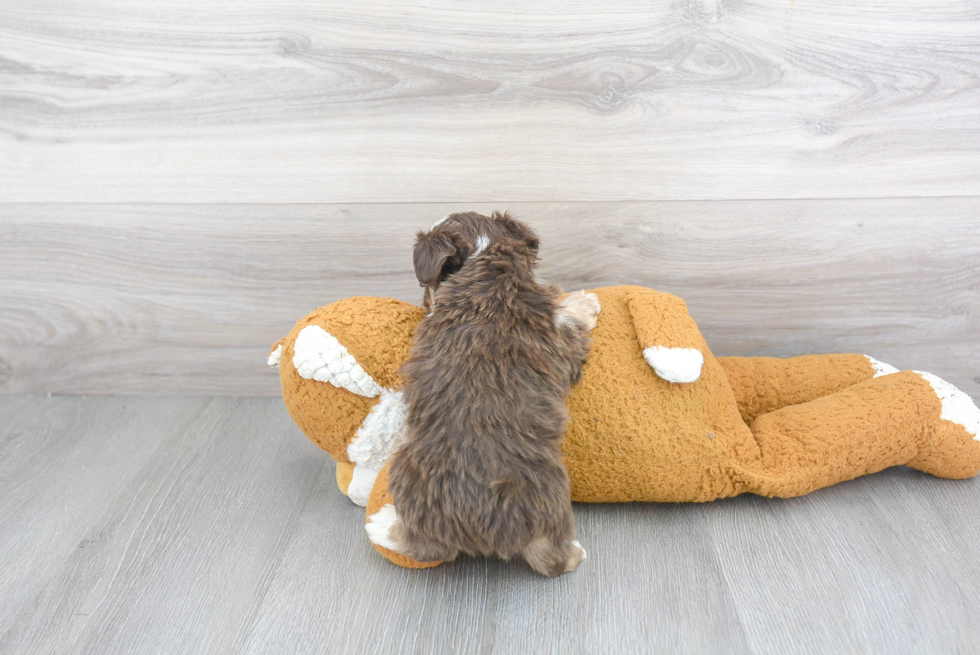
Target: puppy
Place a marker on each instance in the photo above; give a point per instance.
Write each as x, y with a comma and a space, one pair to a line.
444, 249
479, 470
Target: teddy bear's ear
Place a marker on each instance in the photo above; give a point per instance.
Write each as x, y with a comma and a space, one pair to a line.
438, 254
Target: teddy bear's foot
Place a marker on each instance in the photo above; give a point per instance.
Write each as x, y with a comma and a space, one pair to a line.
897, 419
380, 527
549, 558
952, 449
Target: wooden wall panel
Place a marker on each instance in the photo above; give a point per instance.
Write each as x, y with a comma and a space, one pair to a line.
188, 298
397, 101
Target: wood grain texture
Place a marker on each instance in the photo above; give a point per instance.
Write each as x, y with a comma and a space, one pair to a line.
63, 462
211, 525
297, 101
879, 552
188, 298
179, 559
651, 584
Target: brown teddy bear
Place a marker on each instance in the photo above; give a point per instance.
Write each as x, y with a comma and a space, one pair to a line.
656, 417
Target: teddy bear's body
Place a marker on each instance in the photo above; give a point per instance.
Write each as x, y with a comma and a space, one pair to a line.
656, 417
762, 425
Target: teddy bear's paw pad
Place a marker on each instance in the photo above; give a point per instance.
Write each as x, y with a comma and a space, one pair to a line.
317, 355
881, 368
361, 484
379, 527
274, 357
958, 407
579, 306
678, 365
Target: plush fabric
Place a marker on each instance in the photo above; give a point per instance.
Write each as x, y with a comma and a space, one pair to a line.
768, 426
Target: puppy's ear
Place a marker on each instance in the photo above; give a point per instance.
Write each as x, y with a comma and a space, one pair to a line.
515, 229
437, 254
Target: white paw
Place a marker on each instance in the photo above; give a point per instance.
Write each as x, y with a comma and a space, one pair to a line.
679, 365
881, 368
957, 406
361, 484
576, 557
379, 527
580, 306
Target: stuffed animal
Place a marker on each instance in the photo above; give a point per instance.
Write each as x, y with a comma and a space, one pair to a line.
656, 417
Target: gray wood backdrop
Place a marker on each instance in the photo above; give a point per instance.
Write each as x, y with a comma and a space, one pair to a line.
180, 181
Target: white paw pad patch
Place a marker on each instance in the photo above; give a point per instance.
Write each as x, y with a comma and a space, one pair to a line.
361, 484
881, 368
678, 365
379, 527
957, 406
319, 356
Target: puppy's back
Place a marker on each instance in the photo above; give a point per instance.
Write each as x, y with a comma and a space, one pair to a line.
485, 386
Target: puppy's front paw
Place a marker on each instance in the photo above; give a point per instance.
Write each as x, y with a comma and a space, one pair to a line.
379, 527
580, 306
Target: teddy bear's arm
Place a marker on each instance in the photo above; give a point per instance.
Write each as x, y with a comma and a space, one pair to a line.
672, 344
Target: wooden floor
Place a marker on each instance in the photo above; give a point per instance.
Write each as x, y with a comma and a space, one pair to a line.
206, 525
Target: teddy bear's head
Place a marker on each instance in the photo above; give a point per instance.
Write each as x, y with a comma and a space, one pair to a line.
339, 373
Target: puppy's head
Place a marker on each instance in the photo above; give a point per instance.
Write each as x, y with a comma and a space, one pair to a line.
444, 249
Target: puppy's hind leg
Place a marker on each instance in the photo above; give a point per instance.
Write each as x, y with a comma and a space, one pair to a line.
550, 557
386, 529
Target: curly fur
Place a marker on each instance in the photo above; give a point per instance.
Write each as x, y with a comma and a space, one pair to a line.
480, 470
442, 251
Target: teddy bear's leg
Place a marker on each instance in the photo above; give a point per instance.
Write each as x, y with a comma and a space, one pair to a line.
907, 418
345, 473
380, 514
765, 384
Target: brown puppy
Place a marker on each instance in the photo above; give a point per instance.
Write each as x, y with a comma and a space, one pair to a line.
444, 249
479, 470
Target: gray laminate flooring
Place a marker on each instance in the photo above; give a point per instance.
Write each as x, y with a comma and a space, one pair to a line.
173, 525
